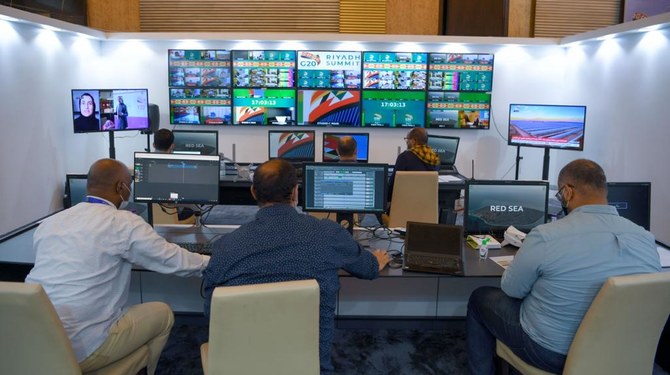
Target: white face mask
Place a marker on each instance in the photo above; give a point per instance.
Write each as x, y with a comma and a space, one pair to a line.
124, 203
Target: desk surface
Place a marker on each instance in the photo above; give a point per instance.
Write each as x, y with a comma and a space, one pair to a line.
473, 265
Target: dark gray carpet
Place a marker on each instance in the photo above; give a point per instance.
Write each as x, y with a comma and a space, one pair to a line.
368, 351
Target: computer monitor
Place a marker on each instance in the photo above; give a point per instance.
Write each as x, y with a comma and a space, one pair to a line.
492, 206
75, 193
197, 142
344, 187
292, 145
75, 189
547, 126
446, 147
176, 178
330, 141
632, 200
96, 110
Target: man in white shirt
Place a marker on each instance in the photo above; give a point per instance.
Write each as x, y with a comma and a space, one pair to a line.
83, 260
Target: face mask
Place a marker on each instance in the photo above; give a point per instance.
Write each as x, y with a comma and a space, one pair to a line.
124, 203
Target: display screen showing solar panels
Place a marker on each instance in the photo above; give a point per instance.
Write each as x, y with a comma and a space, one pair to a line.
176, 178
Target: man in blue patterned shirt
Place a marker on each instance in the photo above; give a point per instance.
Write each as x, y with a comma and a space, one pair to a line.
282, 244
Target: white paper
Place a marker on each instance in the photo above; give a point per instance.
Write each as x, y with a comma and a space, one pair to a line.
664, 254
448, 178
503, 260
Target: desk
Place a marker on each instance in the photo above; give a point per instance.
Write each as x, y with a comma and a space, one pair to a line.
396, 293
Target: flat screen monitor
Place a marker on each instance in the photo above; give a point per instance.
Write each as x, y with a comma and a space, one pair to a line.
460, 72
329, 107
458, 110
198, 142
329, 69
446, 147
200, 82
492, 206
632, 200
297, 145
547, 126
264, 106
394, 70
176, 178
330, 141
392, 109
98, 110
344, 187
263, 68
75, 193
75, 189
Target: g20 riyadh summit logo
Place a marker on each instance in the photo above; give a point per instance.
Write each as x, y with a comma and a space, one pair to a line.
309, 59
329, 60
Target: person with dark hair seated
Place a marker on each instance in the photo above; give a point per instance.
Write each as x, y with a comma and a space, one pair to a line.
556, 274
347, 149
164, 141
282, 244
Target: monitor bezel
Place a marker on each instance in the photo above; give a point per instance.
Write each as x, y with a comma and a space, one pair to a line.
340, 134
297, 160
345, 165
647, 186
97, 106
458, 142
511, 142
499, 232
154, 155
180, 131
67, 192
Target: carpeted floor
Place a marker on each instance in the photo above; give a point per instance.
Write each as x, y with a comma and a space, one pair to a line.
368, 351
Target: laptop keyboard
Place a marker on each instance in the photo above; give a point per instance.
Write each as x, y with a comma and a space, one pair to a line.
196, 247
433, 261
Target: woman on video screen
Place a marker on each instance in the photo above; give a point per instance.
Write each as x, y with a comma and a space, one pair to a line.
86, 122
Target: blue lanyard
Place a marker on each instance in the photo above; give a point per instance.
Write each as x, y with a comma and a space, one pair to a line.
90, 199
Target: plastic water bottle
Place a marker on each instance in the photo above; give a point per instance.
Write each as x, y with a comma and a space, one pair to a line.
484, 249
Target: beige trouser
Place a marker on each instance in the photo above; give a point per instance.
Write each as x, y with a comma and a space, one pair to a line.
148, 323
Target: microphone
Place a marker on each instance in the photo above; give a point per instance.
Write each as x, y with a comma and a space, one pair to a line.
473, 170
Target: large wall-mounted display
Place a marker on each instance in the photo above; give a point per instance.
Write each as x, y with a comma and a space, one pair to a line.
199, 82
320, 88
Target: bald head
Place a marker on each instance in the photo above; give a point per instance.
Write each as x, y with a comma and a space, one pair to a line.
582, 182
109, 179
346, 148
274, 182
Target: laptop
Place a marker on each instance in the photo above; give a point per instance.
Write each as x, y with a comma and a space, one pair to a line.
446, 147
433, 248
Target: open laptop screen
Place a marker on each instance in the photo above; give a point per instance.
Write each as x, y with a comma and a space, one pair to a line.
492, 206
444, 146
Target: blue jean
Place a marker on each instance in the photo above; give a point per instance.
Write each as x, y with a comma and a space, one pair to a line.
494, 315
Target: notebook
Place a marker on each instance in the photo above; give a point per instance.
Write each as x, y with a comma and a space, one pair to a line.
434, 248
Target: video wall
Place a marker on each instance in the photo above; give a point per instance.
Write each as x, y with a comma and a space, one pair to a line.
330, 88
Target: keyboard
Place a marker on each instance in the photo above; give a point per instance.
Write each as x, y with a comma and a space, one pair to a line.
433, 261
196, 247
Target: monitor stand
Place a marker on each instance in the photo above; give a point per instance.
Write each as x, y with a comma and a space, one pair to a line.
346, 220
545, 165
112, 150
